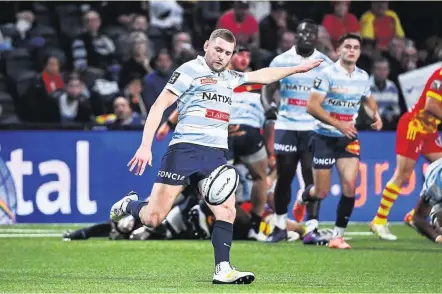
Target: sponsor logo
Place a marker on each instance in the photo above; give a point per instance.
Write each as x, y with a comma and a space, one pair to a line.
339, 89
342, 103
300, 88
169, 175
217, 97
324, 161
208, 81
218, 115
223, 186
286, 148
174, 77
342, 117
436, 85
297, 102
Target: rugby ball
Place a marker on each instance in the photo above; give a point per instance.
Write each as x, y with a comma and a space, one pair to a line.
219, 185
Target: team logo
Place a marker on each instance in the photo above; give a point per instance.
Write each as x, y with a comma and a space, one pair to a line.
208, 81
436, 85
354, 148
316, 83
173, 78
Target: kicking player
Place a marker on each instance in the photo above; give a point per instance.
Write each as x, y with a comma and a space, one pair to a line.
204, 91
430, 204
245, 140
293, 127
416, 134
334, 102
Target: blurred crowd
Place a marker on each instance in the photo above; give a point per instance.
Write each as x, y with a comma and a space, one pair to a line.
104, 63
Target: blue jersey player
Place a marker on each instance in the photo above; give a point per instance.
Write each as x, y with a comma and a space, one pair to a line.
335, 100
430, 204
293, 127
203, 88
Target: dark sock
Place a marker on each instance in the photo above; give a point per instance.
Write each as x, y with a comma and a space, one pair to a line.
133, 208
306, 195
255, 221
98, 230
222, 240
345, 208
313, 210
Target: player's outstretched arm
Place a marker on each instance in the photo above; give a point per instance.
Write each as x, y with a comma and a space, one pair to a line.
143, 156
268, 101
314, 107
270, 75
420, 221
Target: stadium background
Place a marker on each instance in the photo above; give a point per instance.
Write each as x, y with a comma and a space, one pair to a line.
55, 168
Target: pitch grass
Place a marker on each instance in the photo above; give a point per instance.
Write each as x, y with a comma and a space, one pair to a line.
412, 264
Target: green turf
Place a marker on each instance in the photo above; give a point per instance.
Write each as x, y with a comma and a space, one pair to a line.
412, 264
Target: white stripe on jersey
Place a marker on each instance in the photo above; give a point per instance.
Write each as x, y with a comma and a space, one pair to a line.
294, 91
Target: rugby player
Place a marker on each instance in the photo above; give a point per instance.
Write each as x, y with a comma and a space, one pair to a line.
416, 135
335, 100
203, 88
430, 204
245, 141
293, 127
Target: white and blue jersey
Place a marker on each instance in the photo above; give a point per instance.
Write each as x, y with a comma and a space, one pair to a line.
204, 103
432, 190
294, 91
246, 106
343, 92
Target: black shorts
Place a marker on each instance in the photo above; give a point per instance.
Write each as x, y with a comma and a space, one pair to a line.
326, 150
248, 147
291, 141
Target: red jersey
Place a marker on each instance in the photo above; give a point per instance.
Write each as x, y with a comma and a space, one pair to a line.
420, 120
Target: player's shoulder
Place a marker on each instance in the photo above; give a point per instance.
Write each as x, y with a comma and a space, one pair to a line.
281, 59
437, 74
193, 68
319, 55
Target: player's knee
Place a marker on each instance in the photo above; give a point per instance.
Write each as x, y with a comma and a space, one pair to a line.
225, 212
349, 187
321, 192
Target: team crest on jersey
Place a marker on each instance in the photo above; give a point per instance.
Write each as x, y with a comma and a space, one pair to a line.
436, 85
208, 81
316, 83
173, 78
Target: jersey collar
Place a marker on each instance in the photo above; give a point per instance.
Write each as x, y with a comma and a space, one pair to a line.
341, 69
205, 65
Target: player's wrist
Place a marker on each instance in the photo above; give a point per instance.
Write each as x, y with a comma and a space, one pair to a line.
438, 239
170, 124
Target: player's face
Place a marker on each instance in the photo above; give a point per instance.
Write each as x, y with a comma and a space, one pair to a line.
218, 53
306, 35
240, 61
350, 51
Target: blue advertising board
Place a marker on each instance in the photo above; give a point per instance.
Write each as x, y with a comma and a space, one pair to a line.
75, 176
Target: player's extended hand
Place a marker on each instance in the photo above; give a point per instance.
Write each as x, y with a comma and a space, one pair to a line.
162, 132
348, 129
377, 125
308, 65
438, 239
234, 131
142, 157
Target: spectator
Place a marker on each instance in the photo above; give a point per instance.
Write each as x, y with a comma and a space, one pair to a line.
340, 22
206, 15
381, 24
277, 21
92, 48
385, 93
394, 55
409, 58
181, 48
156, 80
287, 41
133, 92
241, 23
125, 116
140, 24
138, 64
325, 45
74, 105
51, 76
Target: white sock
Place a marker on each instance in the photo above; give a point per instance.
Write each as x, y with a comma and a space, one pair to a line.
312, 225
338, 232
281, 221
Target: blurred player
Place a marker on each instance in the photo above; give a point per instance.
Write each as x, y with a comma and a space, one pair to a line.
416, 134
203, 88
293, 127
334, 102
245, 140
430, 204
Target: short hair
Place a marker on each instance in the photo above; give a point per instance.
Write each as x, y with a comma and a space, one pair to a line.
349, 36
224, 34
380, 60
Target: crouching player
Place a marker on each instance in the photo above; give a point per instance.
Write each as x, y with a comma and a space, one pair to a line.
430, 204
196, 153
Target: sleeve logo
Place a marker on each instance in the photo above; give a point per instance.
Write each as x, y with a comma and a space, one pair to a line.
316, 83
173, 78
436, 85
